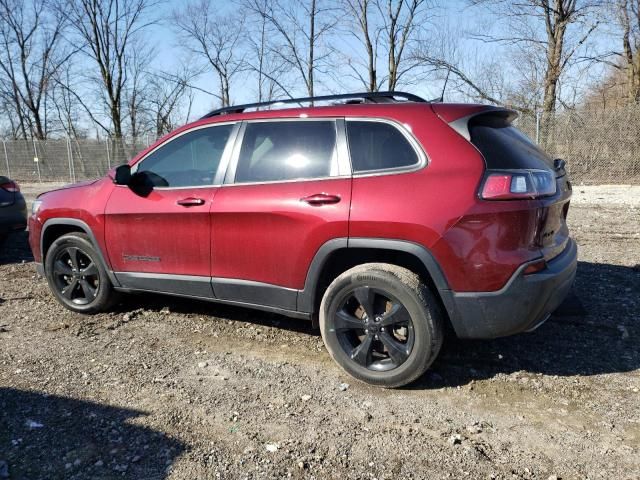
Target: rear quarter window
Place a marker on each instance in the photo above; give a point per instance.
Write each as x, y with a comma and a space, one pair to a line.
378, 146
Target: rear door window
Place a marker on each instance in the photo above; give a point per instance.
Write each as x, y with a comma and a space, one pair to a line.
503, 146
287, 150
378, 146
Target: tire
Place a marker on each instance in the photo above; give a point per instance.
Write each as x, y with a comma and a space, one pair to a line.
404, 338
76, 276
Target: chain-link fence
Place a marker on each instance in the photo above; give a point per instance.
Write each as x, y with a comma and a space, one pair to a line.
65, 160
599, 146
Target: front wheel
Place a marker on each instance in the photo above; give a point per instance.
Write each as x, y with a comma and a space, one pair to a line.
381, 324
76, 275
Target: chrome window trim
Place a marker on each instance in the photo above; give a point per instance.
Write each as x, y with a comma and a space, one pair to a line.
222, 166
230, 173
423, 159
344, 160
295, 180
230, 176
225, 176
218, 179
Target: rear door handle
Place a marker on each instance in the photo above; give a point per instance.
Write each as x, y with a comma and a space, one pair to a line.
190, 202
321, 199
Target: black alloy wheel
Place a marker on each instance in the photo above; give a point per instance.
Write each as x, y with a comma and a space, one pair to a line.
76, 275
374, 329
381, 324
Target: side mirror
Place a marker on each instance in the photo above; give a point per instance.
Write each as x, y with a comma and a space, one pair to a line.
142, 183
123, 175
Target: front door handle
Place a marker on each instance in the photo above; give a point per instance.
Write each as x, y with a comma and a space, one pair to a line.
190, 202
321, 199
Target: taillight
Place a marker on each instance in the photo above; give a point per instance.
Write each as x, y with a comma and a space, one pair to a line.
10, 186
517, 184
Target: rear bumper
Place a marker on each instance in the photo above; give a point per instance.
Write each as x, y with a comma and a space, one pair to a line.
14, 217
524, 303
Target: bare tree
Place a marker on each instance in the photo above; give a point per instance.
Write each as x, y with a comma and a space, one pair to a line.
167, 94
136, 94
401, 19
262, 61
628, 15
360, 13
301, 27
461, 69
388, 32
108, 30
65, 103
30, 55
217, 38
554, 28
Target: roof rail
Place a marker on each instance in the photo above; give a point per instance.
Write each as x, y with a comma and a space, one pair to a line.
364, 97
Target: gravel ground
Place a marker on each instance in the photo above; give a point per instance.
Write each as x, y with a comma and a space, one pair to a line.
168, 388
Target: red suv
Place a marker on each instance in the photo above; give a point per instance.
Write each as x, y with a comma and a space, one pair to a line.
380, 217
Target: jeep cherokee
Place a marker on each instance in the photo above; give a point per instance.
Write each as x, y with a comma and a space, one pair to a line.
380, 217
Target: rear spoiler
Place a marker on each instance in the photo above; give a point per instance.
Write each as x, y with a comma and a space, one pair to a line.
459, 115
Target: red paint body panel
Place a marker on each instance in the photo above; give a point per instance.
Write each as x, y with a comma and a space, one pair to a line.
85, 201
484, 248
478, 244
156, 235
419, 206
265, 232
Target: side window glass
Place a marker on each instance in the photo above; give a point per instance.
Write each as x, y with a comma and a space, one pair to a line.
190, 160
378, 146
276, 151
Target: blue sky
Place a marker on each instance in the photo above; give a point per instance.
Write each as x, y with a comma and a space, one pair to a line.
453, 17
168, 47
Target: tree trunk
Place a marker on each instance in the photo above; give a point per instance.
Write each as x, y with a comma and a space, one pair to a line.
312, 40
39, 132
632, 58
373, 81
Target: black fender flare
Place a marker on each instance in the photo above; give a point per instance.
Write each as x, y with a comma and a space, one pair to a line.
74, 222
306, 297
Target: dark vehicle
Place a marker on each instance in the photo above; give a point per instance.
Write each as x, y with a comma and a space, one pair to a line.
380, 218
13, 208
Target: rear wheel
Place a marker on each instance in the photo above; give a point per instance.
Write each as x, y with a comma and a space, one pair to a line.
76, 275
381, 324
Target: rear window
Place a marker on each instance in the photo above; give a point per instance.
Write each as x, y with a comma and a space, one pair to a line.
503, 146
378, 146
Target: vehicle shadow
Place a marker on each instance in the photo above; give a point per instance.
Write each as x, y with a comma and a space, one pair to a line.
594, 332
151, 301
15, 249
48, 436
